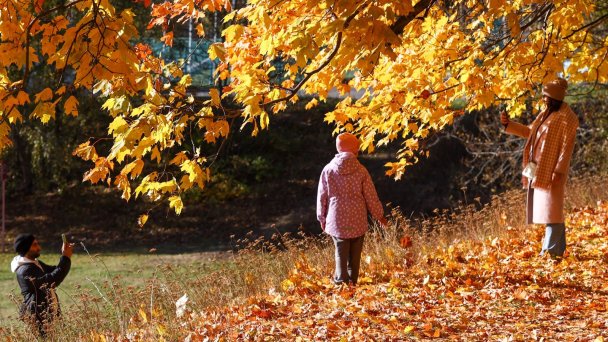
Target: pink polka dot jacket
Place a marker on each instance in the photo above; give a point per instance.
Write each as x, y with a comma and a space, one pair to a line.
345, 196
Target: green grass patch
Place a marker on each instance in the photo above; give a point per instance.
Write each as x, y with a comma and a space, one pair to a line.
93, 273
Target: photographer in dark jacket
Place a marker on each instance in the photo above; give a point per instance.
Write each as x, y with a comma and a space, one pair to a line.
38, 281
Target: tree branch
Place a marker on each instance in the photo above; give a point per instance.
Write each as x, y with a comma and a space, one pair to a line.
26, 71
399, 25
588, 26
330, 57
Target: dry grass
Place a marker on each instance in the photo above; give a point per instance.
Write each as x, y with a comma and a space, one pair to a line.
114, 307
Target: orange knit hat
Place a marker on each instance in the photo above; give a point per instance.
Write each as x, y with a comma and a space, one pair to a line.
556, 89
347, 142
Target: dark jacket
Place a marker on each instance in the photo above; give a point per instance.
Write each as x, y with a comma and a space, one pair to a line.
38, 286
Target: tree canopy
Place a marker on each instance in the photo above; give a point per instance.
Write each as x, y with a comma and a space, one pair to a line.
418, 65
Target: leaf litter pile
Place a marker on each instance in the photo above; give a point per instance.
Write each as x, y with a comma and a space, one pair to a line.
498, 289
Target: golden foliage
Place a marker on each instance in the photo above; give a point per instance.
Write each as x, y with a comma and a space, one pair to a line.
411, 61
411, 76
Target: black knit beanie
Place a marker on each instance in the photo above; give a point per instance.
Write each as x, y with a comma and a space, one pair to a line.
23, 242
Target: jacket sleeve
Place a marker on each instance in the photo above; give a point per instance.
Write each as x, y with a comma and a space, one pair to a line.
322, 199
518, 129
47, 268
563, 162
51, 279
374, 206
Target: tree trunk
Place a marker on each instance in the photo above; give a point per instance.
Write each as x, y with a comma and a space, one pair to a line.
23, 160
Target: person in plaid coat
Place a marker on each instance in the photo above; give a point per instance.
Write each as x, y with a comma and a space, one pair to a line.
549, 145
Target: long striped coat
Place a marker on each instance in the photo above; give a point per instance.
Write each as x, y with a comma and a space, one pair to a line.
555, 139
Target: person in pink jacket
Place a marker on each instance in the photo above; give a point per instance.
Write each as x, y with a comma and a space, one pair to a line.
346, 195
549, 145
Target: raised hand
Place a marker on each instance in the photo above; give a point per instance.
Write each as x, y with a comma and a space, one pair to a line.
67, 249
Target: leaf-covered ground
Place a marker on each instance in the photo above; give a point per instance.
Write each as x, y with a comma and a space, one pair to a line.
497, 289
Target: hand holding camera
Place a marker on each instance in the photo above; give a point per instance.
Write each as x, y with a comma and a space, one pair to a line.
68, 248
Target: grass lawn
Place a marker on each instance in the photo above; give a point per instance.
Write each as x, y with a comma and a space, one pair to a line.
90, 271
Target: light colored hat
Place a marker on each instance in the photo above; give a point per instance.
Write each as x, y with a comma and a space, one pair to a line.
556, 89
347, 142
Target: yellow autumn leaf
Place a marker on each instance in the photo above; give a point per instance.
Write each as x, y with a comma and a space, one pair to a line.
71, 106
44, 111
142, 219
195, 172
156, 155
179, 159
233, 32
14, 115
513, 23
96, 174
133, 169
215, 97
23, 98
216, 50
45, 95
185, 81
11, 102
118, 126
122, 183
200, 30
168, 38
267, 46
86, 151
175, 202
61, 90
